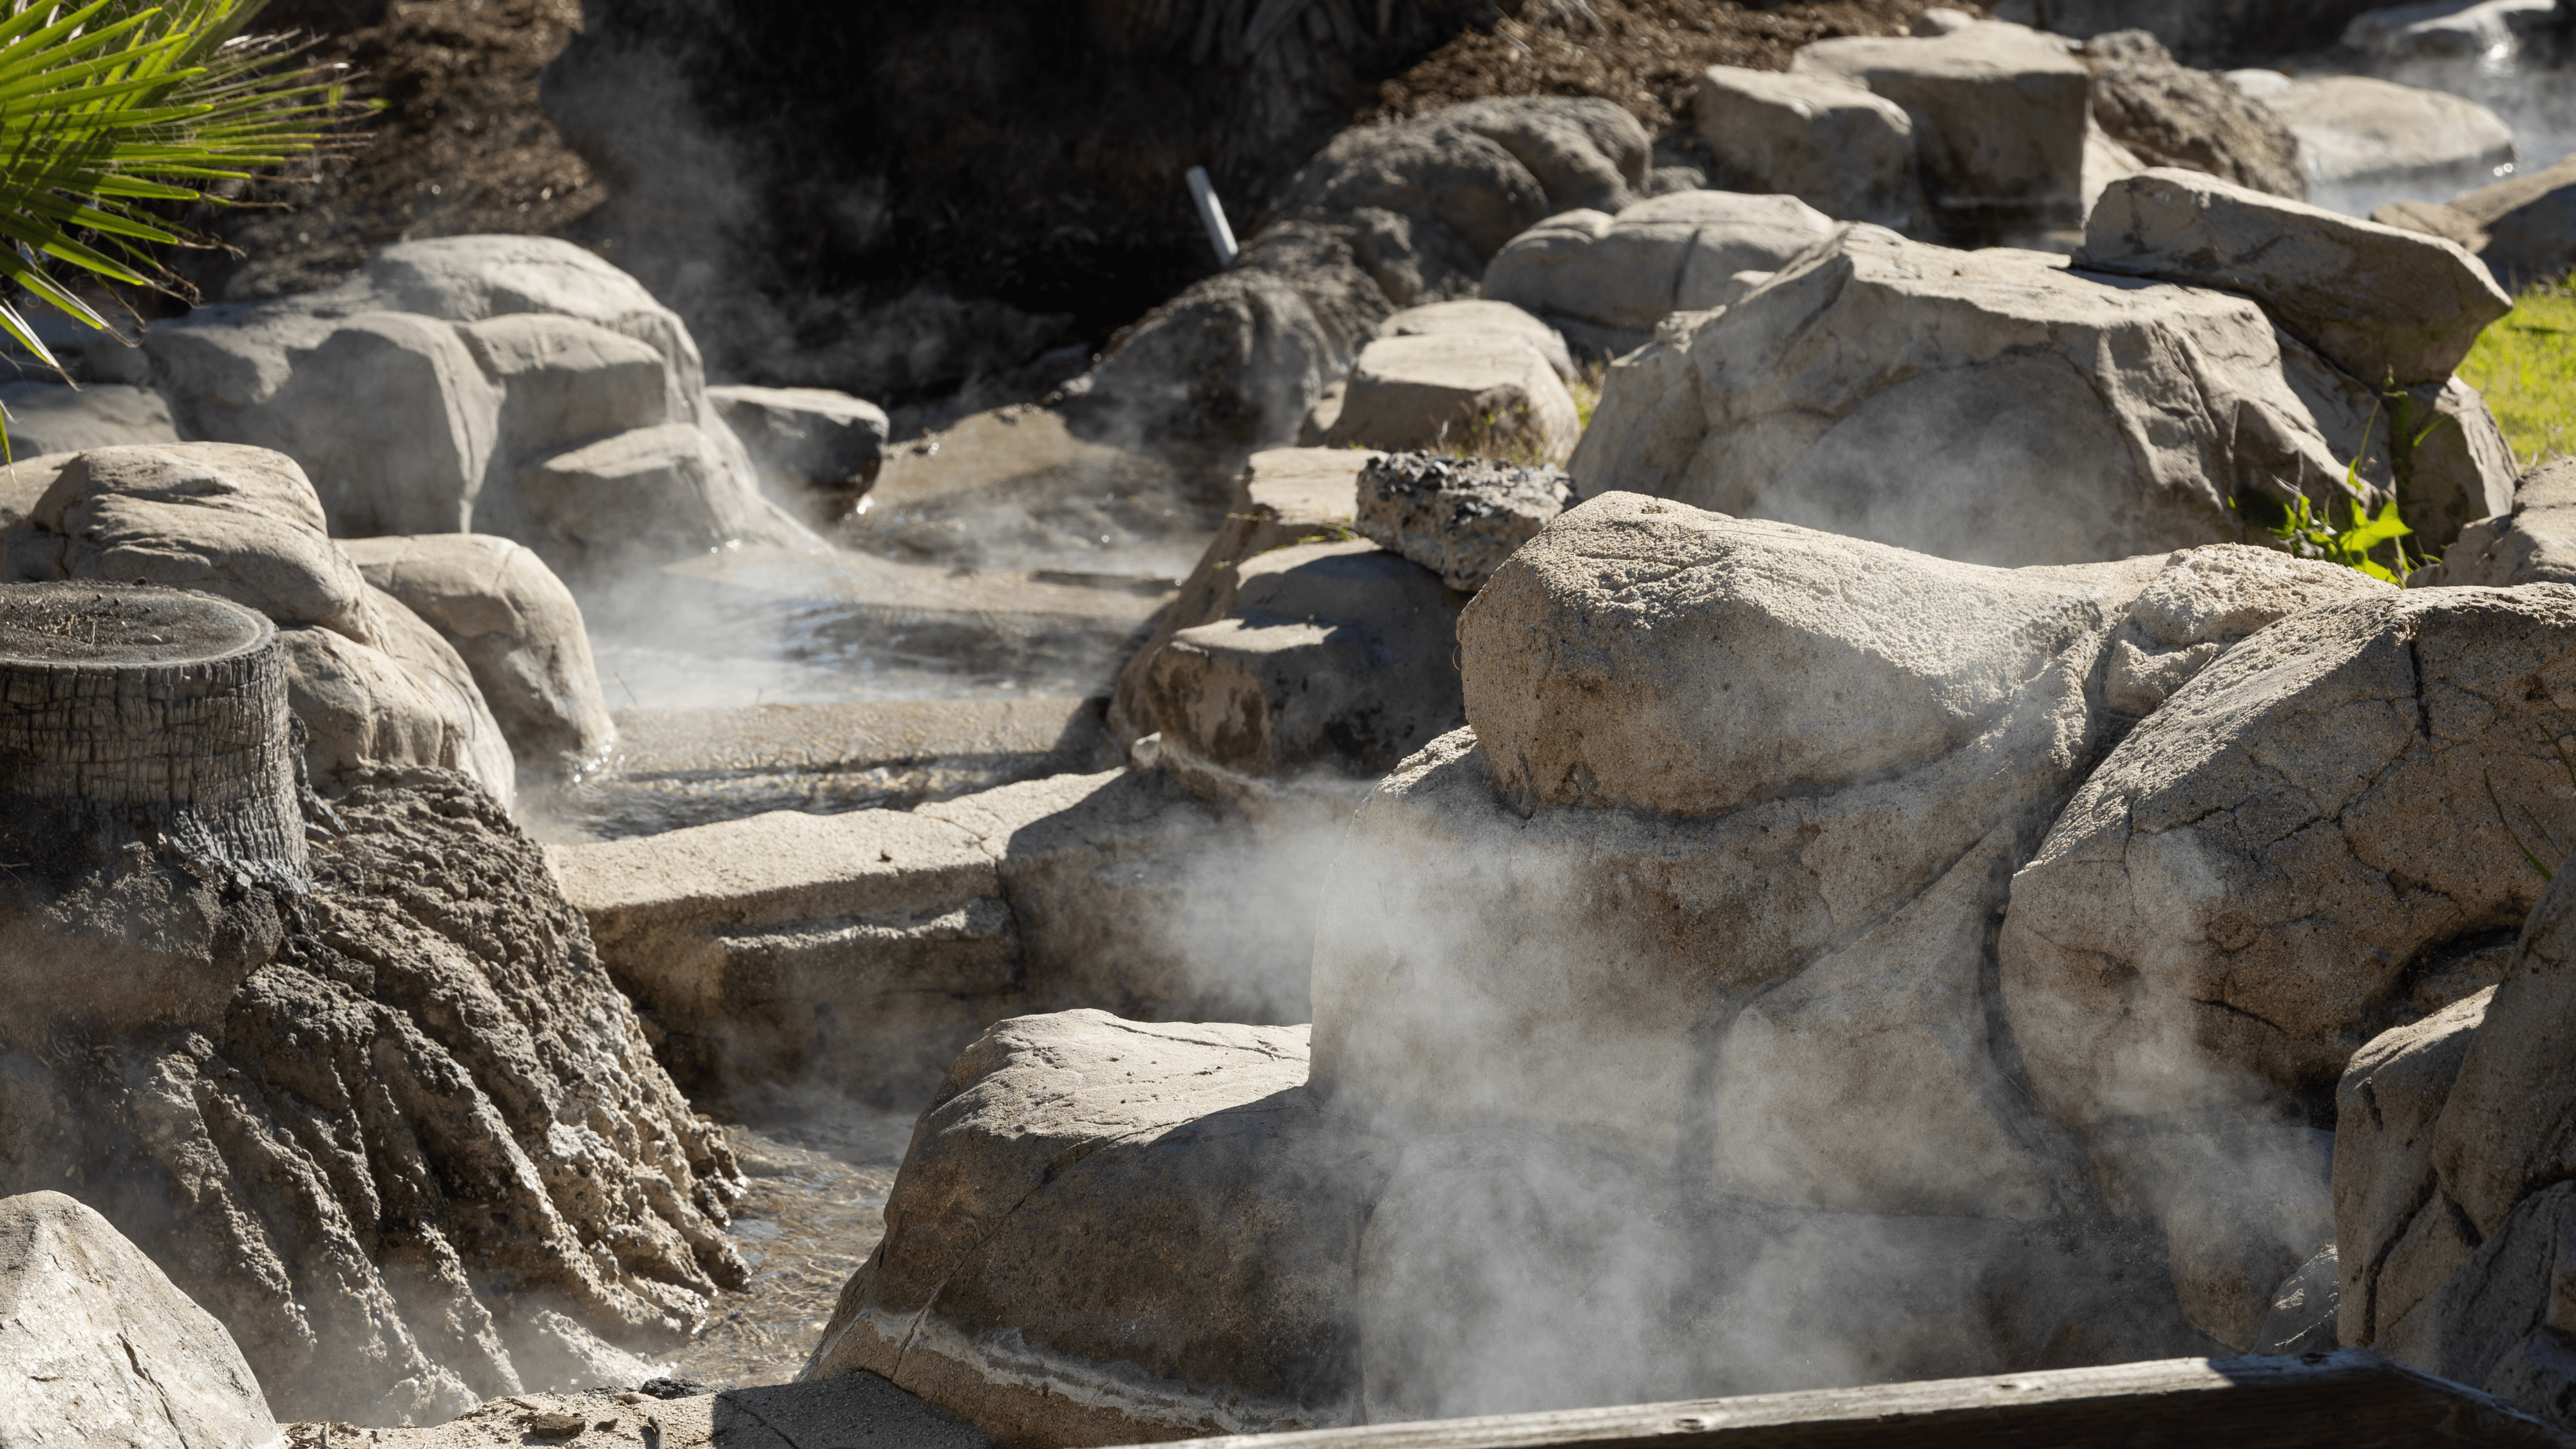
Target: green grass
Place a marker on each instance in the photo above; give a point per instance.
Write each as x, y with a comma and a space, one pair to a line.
2525, 364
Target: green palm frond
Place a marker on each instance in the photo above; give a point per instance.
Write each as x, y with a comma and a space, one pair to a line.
111, 108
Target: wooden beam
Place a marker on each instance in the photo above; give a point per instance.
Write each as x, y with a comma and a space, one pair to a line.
2347, 1399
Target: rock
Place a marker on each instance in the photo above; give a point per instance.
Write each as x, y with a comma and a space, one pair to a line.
410, 703
1382, 218
1335, 658
552, 1351
864, 949
1831, 144
1999, 121
2244, 882
653, 493
103, 1350
1459, 518
417, 393
1475, 315
2398, 1234
2523, 228
424, 1092
517, 629
2362, 139
2375, 301
242, 523
1613, 278
2172, 115
1458, 393
1285, 496
807, 438
1106, 1231
2532, 543
22, 482
2491, 30
2435, 446
2304, 1308
2017, 387
851, 1411
2200, 35
47, 417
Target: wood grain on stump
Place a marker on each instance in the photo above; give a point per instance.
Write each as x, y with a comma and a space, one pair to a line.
129, 714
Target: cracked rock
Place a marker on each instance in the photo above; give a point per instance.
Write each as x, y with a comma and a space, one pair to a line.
1458, 517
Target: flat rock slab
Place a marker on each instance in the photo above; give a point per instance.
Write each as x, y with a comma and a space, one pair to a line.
853, 1411
2376, 301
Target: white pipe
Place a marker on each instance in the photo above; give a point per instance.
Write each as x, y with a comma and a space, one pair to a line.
1212, 213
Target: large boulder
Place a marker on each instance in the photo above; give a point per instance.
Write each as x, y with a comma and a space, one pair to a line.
517, 629
2453, 1183
2364, 140
1456, 392
103, 1352
1985, 406
2523, 227
2532, 542
1108, 1231
2173, 115
1335, 658
1609, 279
2376, 301
417, 393
1382, 218
2000, 120
1829, 143
2247, 881
45, 417
371, 682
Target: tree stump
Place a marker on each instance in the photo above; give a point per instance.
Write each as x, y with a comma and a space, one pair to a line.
131, 714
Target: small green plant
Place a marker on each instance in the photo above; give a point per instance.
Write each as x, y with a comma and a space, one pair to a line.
1586, 387
2307, 533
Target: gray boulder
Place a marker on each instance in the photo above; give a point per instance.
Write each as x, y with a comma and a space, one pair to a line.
406, 699
2534, 542
1458, 517
103, 1351
1999, 116
2172, 115
1107, 1231
1476, 315
417, 394
805, 439
2488, 30
1986, 406
1334, 658
1382, 218
46, 417
1829, 143
1457, 392
2375, 301
2523, 228
1609, 279
517, 629
2364, 140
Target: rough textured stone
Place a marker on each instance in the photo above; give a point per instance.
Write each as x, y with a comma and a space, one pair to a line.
424, 1107
1825, 141
239, 522
516, 627
1456, 392
2399, 1235
2534, 542
102, 1352
1612, 278
2361, 138
654, 492
807, 438
1108, 1231
2523, 228
1477, 315
2375, 301
1335, 657
1382, 218
2172, 115
1999, 121
407, 700
849, 1411
1459, 518
1285, 496
2244, 882
1985, 406
46, 417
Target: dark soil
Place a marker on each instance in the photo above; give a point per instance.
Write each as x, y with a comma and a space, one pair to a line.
1646, 55
460, 147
